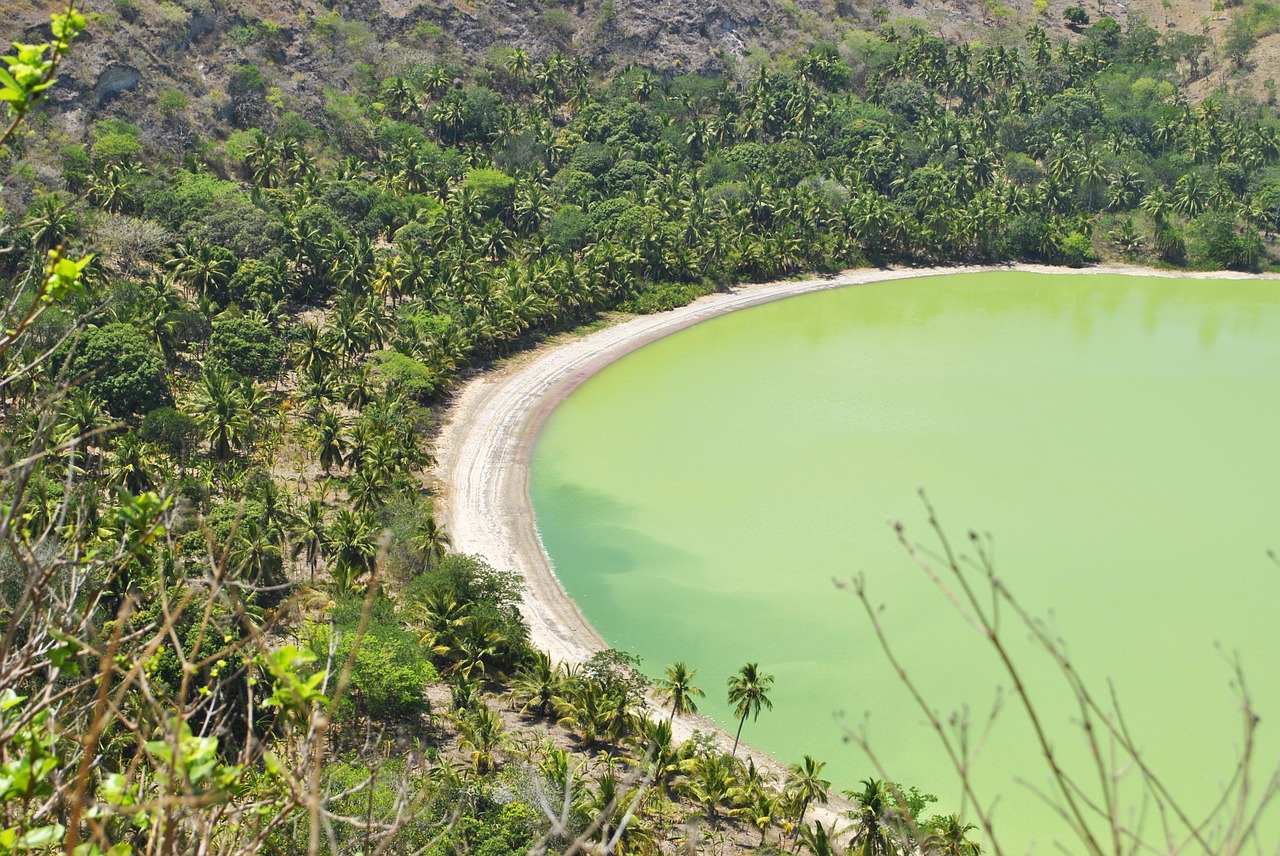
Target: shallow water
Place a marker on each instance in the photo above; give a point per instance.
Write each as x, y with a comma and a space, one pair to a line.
702, 497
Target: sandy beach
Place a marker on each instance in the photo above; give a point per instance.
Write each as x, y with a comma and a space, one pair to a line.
484, 446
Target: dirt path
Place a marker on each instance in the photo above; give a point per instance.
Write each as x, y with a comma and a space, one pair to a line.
484, 447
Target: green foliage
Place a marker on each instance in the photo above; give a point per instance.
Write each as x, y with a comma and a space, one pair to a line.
662, 296
1259, 18
116, 141
1076, 16
594, 158
246, 79
30, 70
1075, 249
416, 380
570, 229
121, 367
245, 346
494, 190
1239, 40
172, 430
1217, 243
256, 284
388, 672
171, 102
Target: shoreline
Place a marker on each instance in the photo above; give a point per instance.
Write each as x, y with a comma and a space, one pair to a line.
485, 442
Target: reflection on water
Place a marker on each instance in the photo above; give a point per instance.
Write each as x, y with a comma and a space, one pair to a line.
1116, 434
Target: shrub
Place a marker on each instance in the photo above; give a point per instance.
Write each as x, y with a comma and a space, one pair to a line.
171, 102
122, 367
172, 430
246, 79
569, 229
418, 381
494, 190
245, 346
389, 674
1075, 249
256, 284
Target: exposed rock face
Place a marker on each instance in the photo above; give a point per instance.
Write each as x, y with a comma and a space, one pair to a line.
114, 80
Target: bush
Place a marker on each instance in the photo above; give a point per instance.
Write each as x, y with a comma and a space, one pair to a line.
390, 673
256, 284
122, 367
494, 190
1215, 242
569, 229
246, 79
171, 430
659, 297
245, 346
418, 381
1027, 236
1075, 249
595, 158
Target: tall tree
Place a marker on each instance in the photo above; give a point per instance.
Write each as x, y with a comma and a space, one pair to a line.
749, 693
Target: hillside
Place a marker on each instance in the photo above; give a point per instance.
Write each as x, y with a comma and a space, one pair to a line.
140, 52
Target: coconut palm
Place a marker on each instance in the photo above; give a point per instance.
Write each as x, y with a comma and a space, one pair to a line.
328, 437
947, 836
351, 548
749, 693
818, 839
222, 412
310, 532
874, 832
712, 782
537, 684
429, 541
677, 687
805, 786
131, 463
480, 734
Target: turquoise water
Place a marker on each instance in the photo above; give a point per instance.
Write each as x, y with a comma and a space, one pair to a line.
703, 498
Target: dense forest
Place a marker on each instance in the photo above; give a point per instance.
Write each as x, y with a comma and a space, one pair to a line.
230, 618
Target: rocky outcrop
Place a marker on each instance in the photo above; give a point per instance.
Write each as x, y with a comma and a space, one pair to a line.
113, 80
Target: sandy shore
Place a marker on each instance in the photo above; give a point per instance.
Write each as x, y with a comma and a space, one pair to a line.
484, 447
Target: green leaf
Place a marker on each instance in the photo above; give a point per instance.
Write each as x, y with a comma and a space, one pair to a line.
10, 699
43, 836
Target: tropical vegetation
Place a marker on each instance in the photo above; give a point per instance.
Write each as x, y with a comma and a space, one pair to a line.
231, 618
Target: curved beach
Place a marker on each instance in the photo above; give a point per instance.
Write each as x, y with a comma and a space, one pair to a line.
484, 447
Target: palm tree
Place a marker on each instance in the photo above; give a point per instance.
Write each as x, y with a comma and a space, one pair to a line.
131, 464
712, 781
329, 432
806, 786
748, 692
351, 548
221, 410
480, 736
310, 532
677, 687
874, 833
537, 684
255, 553
430, 542
947, 836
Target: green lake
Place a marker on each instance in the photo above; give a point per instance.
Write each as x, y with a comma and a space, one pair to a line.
1117, 436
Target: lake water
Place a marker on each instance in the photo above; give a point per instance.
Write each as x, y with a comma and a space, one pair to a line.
703, 498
